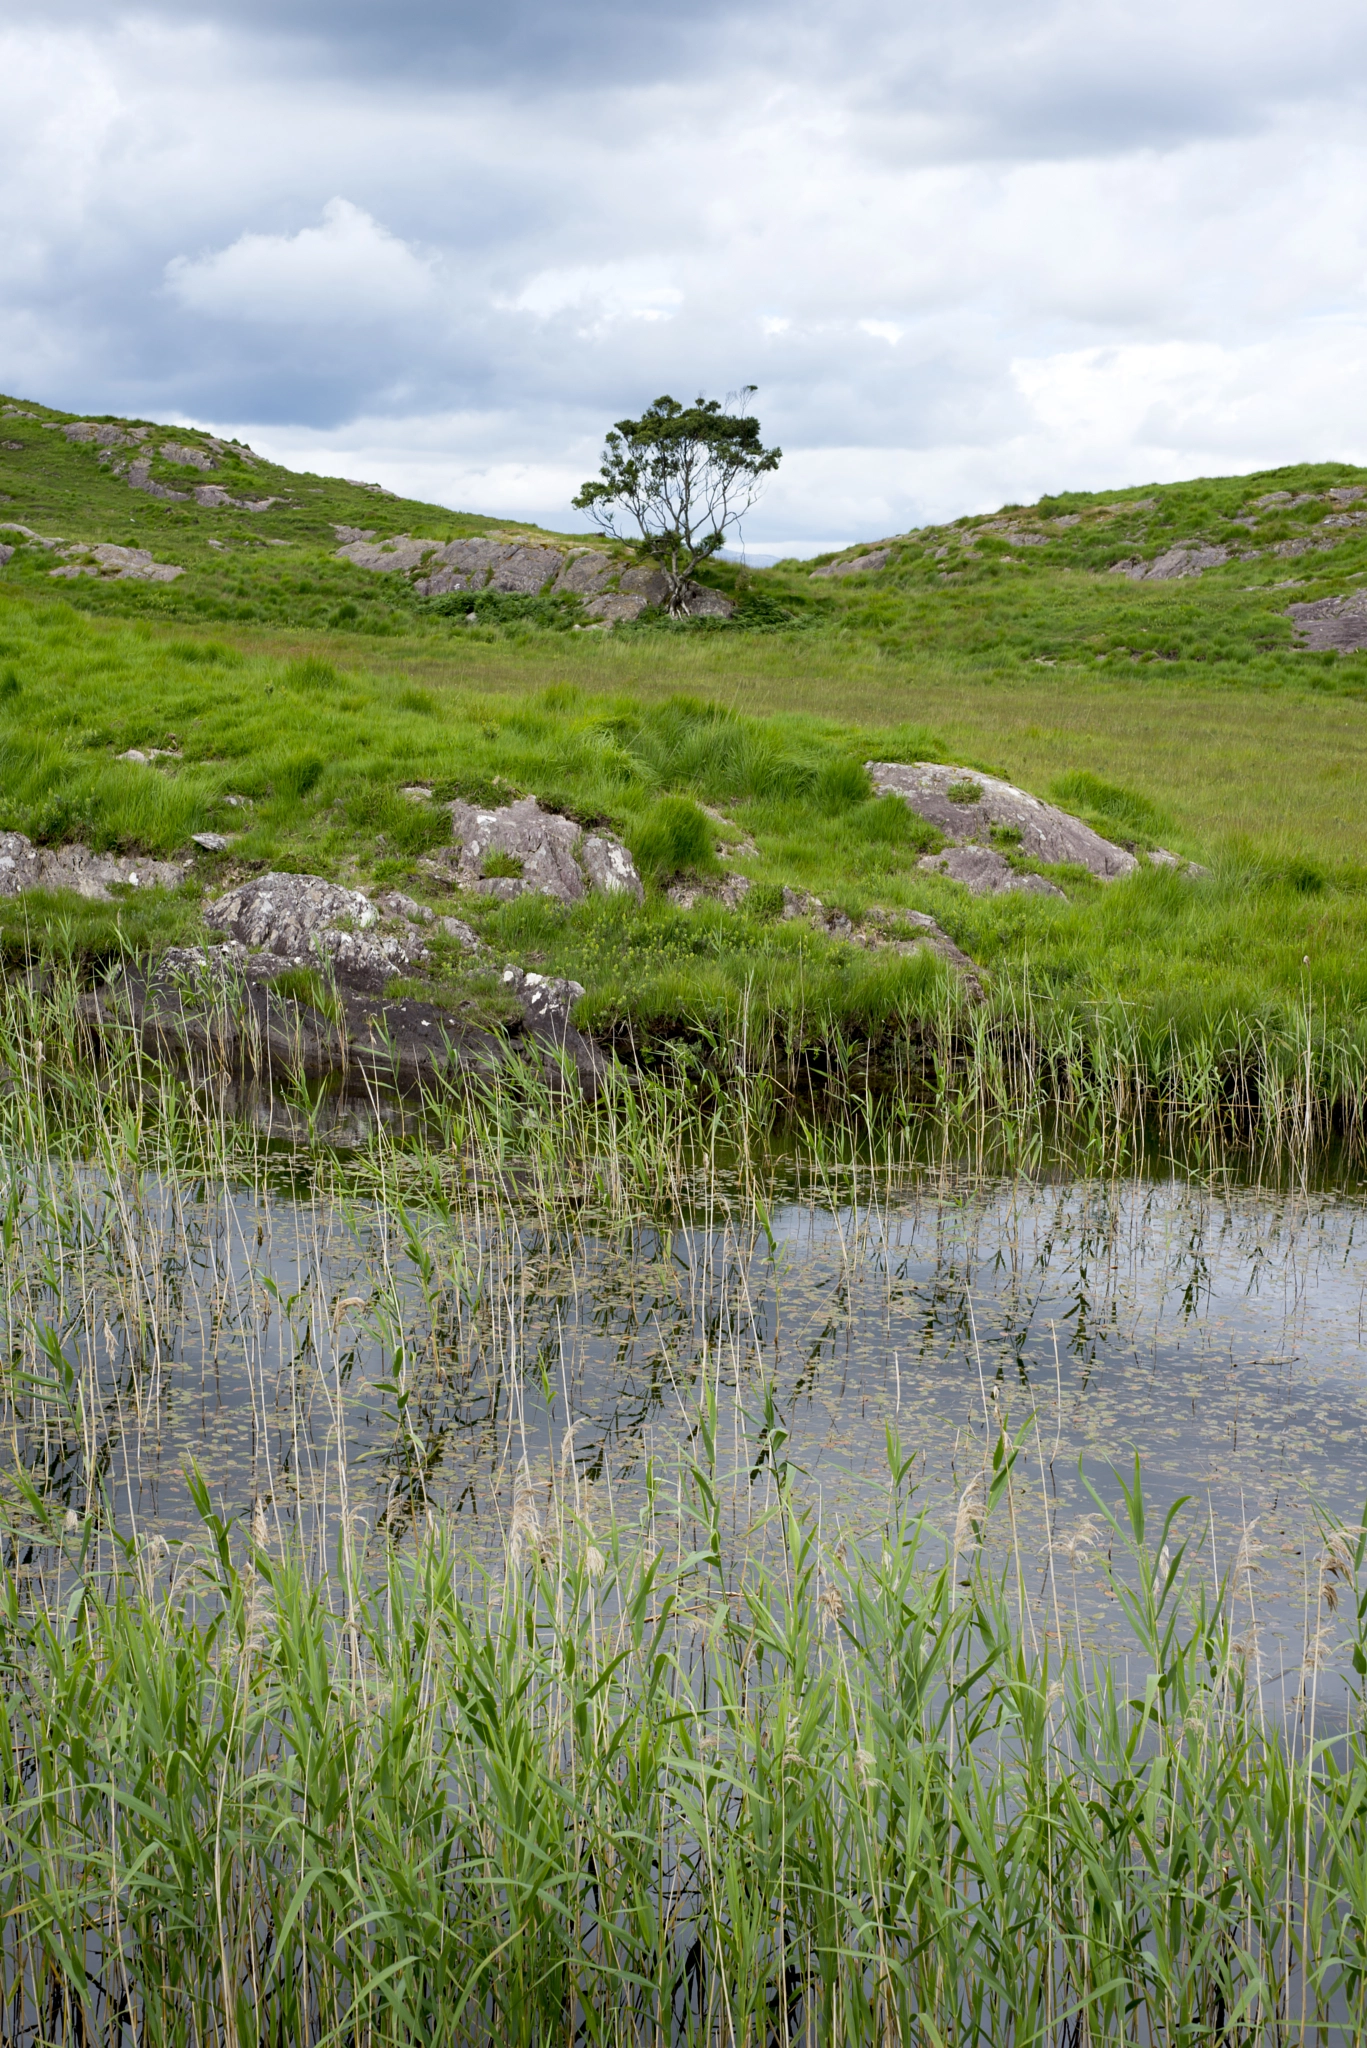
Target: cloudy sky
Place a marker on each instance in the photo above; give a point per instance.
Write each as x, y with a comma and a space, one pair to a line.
967, 253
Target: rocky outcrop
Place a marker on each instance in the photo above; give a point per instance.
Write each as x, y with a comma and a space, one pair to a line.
122, 564
1332, 622
556, 857
1182, 561
985, 872
967, 808
307, 922
857, 565
525, 569
24, 866
894, 931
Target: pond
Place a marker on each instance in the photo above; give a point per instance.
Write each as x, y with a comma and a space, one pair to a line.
319, 1354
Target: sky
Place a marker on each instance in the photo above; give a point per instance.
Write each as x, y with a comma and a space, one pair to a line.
967, 254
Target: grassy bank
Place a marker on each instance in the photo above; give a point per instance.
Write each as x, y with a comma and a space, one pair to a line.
1240, 988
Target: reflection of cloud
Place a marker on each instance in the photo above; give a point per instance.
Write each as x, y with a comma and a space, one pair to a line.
350, 270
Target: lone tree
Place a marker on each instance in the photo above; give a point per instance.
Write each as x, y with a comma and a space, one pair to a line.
683, 474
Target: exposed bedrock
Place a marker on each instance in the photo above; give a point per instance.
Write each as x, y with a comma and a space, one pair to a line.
557, 858
524, 568
968, 808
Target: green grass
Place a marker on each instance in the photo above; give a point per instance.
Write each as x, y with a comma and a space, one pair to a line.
1172, 713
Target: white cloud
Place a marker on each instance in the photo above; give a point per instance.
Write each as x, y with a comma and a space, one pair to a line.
1100, 246
350, 269
601, 292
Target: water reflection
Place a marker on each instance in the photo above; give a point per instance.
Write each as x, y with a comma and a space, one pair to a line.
316, 1359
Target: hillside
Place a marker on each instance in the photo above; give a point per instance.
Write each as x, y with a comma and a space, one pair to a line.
214, 663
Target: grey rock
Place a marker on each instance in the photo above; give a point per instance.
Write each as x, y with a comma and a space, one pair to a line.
525, 570
460, 565
1345, 519
613, 608
544, 843
308, 921
1180, 561
904, 931
586, 574
98, 431
857, 565
186, 455
609, 867
24, 866
280, 913
393, 903
1046, 833
350, 533
1345, 494
546, 1002
140, 478
211, 842
1159, 857
557, 860
1285, 499
651, 584
127, 563
401, 552
456, 928
6, 555
1332, 622
416, 792
984, 872
730, 892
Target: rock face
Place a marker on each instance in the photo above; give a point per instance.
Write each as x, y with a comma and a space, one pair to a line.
1339, 622
1183, 561
307, 922
526, 569
24, 866
966, 807
557, 858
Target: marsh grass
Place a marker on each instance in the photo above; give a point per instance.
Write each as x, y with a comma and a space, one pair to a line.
719, 1768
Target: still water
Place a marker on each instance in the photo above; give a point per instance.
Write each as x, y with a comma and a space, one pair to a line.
316, 1357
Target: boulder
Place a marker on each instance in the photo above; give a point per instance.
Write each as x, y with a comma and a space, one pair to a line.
6, 555
24, 866
557, 859
305, 921
984, 872
980, 802
1183, 561
122, 564
546, 1002
1327, 622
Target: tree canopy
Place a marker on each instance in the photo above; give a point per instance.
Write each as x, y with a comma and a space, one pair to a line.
683, 476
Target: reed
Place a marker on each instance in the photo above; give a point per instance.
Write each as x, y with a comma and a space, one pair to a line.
648, 1784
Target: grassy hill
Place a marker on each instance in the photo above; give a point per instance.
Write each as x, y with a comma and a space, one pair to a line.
1172, 710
